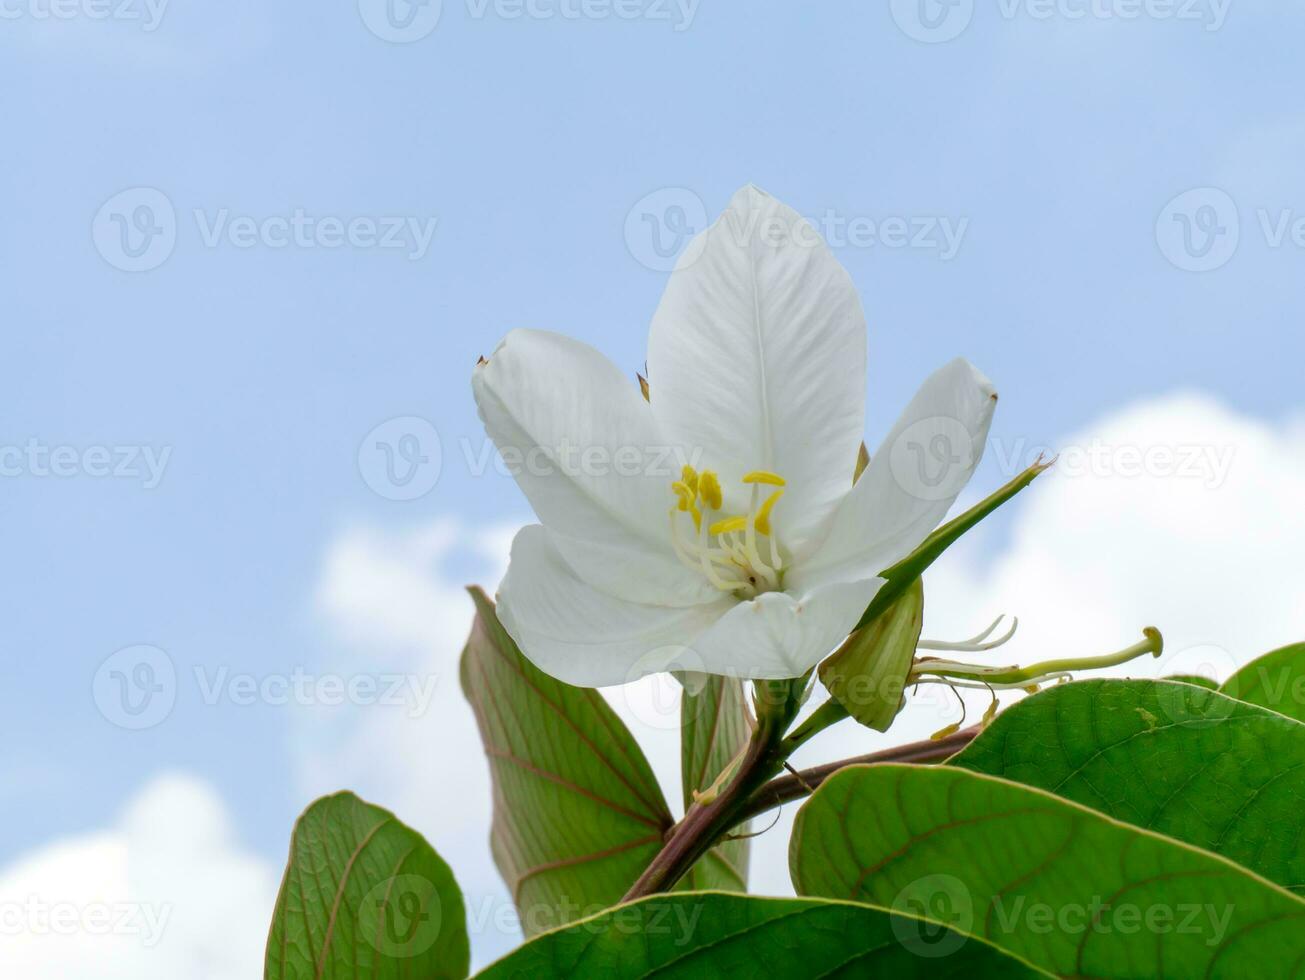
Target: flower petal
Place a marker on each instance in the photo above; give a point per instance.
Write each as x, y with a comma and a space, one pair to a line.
912, 480
756, 359
779, 635
584, 448
576, 633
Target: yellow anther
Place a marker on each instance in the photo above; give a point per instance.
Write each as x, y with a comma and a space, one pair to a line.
764, 476
709, 490
727, 525
685, 494
763, 513
689, 477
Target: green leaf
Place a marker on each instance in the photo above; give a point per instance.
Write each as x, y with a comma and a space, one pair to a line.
1276, 680
363, 895
867, 675
1177, 759
1062, 886
1196, 679
900, 576
716, 725
711, 934
578, 814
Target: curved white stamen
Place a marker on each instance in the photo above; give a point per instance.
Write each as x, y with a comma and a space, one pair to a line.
972, 686
701, 559
774, 553
709, 565
974, 644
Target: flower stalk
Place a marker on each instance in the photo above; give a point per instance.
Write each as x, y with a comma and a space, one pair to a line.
718, 811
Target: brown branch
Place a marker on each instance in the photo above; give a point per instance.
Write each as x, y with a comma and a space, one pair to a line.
785, 789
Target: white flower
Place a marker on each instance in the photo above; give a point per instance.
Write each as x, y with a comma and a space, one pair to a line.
759, 557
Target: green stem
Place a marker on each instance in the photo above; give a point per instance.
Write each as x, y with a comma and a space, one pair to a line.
829, 713
777, 703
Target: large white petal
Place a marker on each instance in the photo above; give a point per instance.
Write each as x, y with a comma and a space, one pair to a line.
587, 454
586, 637
912, 480
779, 634
756, 359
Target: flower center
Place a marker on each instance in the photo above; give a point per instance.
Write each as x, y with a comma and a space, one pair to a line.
737, 553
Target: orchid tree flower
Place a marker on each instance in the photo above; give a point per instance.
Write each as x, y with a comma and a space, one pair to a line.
716, 526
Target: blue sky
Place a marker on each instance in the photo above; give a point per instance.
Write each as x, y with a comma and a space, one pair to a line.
1052, 146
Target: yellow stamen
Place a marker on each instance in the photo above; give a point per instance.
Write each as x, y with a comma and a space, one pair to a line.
763, 513
684, 494
727, 525
709, 490
726, 550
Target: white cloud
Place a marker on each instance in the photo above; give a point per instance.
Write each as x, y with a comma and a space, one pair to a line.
164, 893
393, 599
1203, 541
